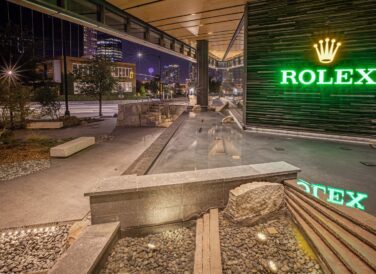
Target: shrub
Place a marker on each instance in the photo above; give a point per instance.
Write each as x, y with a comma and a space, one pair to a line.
48, 98
71, 121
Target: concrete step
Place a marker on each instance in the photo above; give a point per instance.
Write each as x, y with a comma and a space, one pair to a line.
361, 249
360, 218
88, 252
329, 261
359, 232
208, 251
350, 259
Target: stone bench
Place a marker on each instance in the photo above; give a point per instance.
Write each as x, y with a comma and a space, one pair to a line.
45, 125
160, 199
71, 147
88, 253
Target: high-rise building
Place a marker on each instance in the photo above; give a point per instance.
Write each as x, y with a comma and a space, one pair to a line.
90, 42
192, 70
110, 47
171, 74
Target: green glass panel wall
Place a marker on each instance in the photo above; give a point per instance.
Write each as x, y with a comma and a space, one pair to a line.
280, 35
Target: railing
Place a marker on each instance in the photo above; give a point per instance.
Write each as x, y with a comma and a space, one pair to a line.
104, 17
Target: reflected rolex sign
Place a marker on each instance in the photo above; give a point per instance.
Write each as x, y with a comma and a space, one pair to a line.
326, 53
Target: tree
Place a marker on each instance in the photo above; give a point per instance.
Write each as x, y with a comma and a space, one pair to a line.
14, 102
154, 85
214, 85
142, 91
18, 73
95, 79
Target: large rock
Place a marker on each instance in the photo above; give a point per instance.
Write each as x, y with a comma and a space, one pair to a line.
253, 202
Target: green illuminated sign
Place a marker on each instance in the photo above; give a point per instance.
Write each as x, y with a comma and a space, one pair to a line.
345, 76
335, 195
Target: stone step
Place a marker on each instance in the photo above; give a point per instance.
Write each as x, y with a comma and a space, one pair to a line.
361, 249
350, 259
329, 261
208, 251
359, 232
88, 252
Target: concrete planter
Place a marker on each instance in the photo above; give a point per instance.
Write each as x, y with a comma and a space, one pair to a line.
45, 125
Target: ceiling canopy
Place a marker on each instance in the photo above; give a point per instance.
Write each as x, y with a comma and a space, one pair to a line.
214, 20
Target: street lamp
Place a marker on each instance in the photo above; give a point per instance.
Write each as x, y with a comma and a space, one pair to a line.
11, 75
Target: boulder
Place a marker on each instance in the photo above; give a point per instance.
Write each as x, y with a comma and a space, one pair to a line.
254, 202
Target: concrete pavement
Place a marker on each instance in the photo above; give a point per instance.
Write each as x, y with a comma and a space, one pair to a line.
56, 194
194, 146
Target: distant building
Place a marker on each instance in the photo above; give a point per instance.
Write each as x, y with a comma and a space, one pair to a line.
171, 74
89, 42
192, 70
110, 47
125, 72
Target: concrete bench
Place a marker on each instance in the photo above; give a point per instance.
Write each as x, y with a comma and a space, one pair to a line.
45, 125
89, 251
71, 147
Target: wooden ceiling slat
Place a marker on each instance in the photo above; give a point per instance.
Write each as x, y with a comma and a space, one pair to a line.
191, 20
200, 19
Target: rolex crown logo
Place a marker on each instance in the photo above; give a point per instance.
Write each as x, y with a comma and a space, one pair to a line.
327, 52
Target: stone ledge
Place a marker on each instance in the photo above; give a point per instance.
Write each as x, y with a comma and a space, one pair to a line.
71, 147
129, 183
87, 252
159, 199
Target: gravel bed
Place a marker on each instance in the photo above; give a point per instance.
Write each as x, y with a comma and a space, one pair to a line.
167, 252
32, 250
242, 252
14, 170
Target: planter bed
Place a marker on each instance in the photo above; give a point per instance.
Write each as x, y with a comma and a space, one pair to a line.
167, 252
242, 252
32, 249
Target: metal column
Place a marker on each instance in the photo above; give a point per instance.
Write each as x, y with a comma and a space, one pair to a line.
202, 55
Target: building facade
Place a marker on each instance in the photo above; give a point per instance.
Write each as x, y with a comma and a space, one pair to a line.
110, 48
124, 72
312, 71
171, 74
89, 42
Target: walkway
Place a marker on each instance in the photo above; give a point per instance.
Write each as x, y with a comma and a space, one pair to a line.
56, 194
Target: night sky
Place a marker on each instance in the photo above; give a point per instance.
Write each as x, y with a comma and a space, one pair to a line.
143, 64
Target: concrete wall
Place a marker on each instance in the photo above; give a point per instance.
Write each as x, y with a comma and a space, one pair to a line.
158, 199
